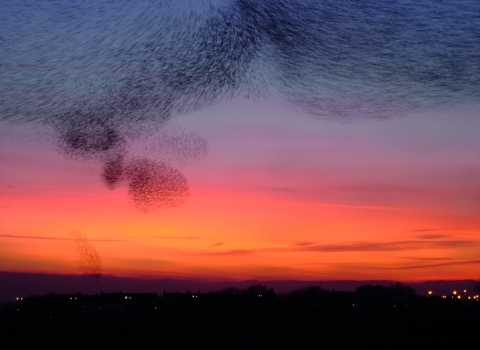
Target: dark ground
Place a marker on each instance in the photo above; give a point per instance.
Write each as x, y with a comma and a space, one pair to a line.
240, 325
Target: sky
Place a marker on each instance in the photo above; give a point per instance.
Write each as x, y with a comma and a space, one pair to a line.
239, 140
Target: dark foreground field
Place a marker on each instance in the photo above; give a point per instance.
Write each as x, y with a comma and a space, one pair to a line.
238, 324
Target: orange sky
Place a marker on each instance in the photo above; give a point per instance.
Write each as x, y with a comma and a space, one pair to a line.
279, 196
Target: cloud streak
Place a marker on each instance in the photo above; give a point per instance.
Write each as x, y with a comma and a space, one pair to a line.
62, 239
411, 267
234, 252
356, 247
432, 236
179, 237
390, 246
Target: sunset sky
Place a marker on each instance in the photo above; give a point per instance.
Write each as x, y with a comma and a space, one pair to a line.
275, 190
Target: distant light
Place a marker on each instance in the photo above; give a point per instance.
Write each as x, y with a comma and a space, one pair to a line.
430, 292
75, 298
129, 297
352, 305
70, 298
17, 298
459, 297
464, 290
155, 308
126, 297
444, 296
454, 292
193, 296
469, 298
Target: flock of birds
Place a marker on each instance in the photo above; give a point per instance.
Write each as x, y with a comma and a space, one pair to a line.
108, 77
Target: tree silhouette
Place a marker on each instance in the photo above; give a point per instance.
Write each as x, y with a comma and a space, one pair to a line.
401, 293
255, 289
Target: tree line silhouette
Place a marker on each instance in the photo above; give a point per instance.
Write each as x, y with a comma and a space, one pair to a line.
254, 317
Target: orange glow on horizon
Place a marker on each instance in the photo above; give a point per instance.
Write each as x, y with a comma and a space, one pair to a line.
314, 201
225, 245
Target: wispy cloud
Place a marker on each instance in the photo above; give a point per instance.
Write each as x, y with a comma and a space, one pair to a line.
386, 189
433, 236
301, 244
303, 203
216, 244
425, 259
141, 263
234, 252
390, 246
469, 262
425, 230
178, 237
357, 247
62, 239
